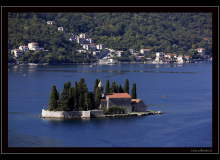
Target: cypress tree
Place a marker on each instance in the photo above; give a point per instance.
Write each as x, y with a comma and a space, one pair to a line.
113, 87
87, 100
126, 87
98, 97
95, 86
53, 98
71, 98
120, 89
107, 89
133, 91
76, 97
64, 99
82, 89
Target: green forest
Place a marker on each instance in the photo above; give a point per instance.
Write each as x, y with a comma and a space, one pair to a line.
160, 32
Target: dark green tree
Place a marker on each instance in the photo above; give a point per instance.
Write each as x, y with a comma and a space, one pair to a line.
95, 86
63, 102
113, 88
120, 89
53, 98
107, 89
76, 97
71, 98
133, 91
98, 97
126, 86
82, 89
87, 101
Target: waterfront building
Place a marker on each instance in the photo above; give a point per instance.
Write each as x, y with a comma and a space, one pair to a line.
123, 99
17, 52
143, 51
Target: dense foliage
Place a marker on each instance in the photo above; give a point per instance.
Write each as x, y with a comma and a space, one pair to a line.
160, 32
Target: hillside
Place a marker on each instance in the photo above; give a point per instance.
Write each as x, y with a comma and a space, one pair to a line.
160, 32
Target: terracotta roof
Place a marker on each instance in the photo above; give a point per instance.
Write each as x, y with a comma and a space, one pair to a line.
146, 49
33, 43
135, 100
117, 95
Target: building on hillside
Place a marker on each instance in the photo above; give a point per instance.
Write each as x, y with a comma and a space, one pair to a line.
83, 35
34, 47
160, 54
119, 53
143, 51
180, 59
23, 48
200, 50
91, 47
51, 22
100, 46
17, 52
122, 99
60, 28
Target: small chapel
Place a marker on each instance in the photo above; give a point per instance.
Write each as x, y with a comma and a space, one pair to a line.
121, 99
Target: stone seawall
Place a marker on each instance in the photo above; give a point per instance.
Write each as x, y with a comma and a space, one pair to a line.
71, 114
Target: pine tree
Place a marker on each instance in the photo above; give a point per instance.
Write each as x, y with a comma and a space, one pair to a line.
126, 87
98, 97
107, 89
133, 91
53, 98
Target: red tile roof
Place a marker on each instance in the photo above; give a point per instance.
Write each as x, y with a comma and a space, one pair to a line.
135, 100
117, 95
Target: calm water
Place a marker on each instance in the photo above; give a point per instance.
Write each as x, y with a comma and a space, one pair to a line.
186, 122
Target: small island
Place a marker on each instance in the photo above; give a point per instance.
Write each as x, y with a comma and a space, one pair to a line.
78, 102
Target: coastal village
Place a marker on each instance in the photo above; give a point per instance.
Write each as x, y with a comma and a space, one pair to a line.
109, 56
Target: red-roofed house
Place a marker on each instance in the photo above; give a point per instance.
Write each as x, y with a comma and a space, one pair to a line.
17, 52
200, 50
123, 99
145, 51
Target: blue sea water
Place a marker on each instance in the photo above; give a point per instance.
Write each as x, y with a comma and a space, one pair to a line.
187, 107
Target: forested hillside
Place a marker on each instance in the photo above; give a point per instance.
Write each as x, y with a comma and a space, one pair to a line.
160, 32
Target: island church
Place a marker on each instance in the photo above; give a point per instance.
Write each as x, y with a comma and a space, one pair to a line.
121, 99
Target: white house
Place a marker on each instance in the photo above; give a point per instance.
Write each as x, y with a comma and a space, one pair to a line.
91, 47
51, 22
119, 53
83, 35
81, 40
143, 51
160, 54
90, 40
34, 46
200, 50
61, 28
100, 46
17, 52
180, 58
23, 48
131, 51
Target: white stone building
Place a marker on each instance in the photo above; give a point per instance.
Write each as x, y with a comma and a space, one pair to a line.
143, 51
17, 52
23, 48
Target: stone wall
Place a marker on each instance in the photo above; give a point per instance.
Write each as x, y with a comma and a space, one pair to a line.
72, 114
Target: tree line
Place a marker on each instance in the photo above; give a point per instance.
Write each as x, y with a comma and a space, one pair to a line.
78, 98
